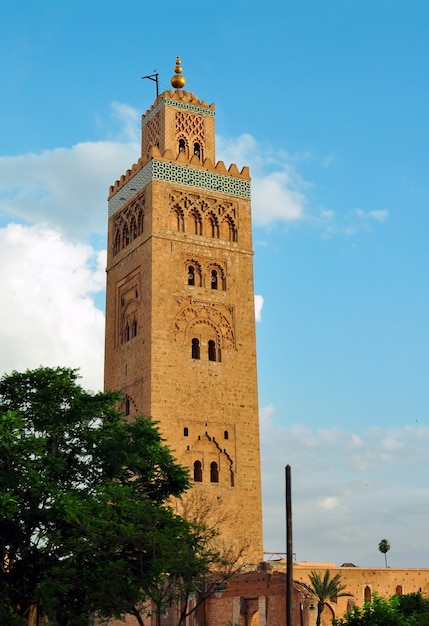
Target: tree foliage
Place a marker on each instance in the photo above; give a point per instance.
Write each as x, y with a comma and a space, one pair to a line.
408, 610
324, 589
85, 528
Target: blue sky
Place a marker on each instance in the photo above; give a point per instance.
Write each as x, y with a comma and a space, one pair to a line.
327, 103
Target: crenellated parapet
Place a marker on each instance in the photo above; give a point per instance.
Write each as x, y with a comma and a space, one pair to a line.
180, 170
180, 99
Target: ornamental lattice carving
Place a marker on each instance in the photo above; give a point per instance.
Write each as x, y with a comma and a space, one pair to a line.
204, 216
190, 125
128, 224
151, 134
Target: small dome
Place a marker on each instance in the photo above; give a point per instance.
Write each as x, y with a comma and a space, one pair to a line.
178, 81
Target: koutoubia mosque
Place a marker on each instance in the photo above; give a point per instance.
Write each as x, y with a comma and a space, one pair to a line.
180, 344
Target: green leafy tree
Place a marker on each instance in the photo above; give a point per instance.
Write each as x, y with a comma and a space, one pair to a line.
384, 547
324, 589
408, 610
85, 528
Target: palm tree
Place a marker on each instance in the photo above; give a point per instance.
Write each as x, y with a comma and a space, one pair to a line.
324, 589
384, 547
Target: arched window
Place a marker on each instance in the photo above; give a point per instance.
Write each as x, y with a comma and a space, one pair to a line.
127, 406
198, 472
117, 242
125, 236
185, 431
398, 590
212, 350
134, 328
197, 149
195, 348
367, 593
225, 434
213, 279
213, 227
214, 472
134, 231
198, 230
182, 145
140, 218
178, 222
191, 275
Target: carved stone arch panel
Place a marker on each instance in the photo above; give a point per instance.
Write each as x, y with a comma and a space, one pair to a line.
128, 299
206, 449
212, 225
125, 233
133, 228
203, 205
198, 271
177, 218
129, 324
196, 222
117, 240
218, 318
221, 275
128, 405
205, 330
228, 229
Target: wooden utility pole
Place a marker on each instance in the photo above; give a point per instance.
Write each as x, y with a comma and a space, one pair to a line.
289, 550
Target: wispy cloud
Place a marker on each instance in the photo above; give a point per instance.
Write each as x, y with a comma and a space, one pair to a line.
376, 215
358, 486
278, 191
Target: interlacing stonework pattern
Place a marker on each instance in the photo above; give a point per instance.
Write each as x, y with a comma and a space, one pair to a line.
128, 301
191, 125
204, 216
201, 273
152, 134
191, 129
128, 224
201, 179
219, 318
192, 108
183, 175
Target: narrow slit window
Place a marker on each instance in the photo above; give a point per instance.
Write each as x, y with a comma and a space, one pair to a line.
198, 472
185, 431
214, 472
212, 350
182, 145
195, 348
225, 434
191, 275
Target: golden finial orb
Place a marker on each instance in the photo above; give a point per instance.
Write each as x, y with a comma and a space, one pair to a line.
178, 81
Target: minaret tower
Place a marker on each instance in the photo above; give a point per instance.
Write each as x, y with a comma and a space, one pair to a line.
180, 320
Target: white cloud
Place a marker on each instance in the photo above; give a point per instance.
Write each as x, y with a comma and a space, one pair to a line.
68, 187
278, 191
48, 316
259, 303
348, 491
